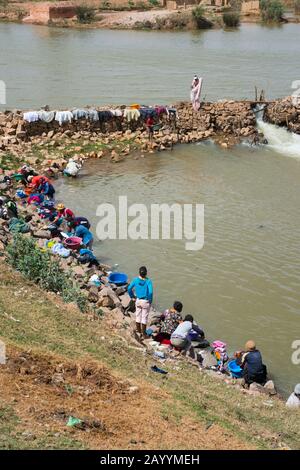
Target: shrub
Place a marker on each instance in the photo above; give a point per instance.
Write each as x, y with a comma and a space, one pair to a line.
154, 3
198, 15
131, 4
297, 6
271, 10
231, 19
85, 14
40, 268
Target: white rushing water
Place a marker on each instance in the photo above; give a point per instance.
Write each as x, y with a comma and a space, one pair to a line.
280, 140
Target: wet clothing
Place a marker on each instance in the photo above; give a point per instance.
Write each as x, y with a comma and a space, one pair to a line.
254, 369
142, 287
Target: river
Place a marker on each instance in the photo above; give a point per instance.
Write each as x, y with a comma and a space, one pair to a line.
69, 67
244, 283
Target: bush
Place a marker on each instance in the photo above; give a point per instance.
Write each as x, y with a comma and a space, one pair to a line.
231, 19
271, 10
198, 15
85, 14
40, 268
297, 6
154, 3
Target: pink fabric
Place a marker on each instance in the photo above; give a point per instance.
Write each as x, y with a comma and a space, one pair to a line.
142, 309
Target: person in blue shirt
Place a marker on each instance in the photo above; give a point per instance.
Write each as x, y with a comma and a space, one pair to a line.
84, 233
141, 289
47, 189
86, 256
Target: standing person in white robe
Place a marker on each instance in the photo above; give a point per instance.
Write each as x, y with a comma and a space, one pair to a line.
195, 92
72, 168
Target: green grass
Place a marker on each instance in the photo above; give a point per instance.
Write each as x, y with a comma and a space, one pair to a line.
46, 325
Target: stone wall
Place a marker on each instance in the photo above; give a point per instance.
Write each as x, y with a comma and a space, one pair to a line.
45, 12
250, 7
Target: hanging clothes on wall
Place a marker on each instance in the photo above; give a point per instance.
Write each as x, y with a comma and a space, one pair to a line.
116, 112
105, 116
131, 114
63, 116
79, 114
46, 116
31, 116
93, 115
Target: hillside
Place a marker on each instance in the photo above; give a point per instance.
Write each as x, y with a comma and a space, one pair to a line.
61, 363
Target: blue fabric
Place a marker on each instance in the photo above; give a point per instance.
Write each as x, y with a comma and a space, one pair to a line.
84, 233
143, 289
86, 252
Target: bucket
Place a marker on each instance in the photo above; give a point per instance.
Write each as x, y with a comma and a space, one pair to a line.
235, 370
73, 243
118, 278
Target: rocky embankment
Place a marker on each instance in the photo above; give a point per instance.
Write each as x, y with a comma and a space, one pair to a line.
226, 122
285, 113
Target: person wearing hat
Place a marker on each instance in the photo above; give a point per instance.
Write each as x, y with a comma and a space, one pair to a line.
64, 212
294, 399
253, 368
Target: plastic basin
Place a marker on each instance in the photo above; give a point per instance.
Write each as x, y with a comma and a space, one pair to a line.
73, 243
118, 278
235, 370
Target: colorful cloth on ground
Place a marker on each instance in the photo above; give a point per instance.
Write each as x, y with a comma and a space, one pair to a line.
59, 249
18, 226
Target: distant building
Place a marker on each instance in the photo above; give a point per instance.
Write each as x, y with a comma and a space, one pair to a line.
46, 12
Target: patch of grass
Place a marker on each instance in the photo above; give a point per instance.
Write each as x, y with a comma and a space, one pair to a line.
85, 14
40, 267
15, 436
46, 324
199, 18
231, 19
271, 10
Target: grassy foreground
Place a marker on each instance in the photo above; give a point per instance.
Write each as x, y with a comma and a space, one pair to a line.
61, 364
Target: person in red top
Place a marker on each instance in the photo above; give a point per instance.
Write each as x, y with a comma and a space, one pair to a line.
150, 124
36, 181
63, 213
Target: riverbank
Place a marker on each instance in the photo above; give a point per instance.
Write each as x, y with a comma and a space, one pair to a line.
131, 16
64, 363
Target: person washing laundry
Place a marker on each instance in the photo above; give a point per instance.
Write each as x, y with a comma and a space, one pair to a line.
294, 399
141, 289
72, 168
195, 92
